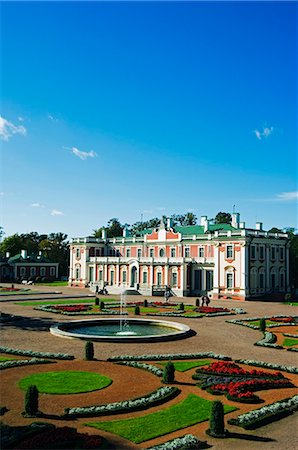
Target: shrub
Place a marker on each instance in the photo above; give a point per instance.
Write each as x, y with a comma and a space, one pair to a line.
101, 305
145, 303
169, 373
31, 400
97, 301
181, 307
137, 310
89, 351
197, 302
217, 425
262, 325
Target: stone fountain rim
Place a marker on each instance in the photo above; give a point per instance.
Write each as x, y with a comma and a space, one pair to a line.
183, 330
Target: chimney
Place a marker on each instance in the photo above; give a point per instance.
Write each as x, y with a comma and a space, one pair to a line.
103, 233
206, 226
169, 223
242, 225
203, 220
125, 232
259, 226
24, 254
235, 220
7, 255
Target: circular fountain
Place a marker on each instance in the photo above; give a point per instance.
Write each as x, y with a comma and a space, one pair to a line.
122, 329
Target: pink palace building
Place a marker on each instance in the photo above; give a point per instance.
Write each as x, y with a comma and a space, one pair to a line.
221, 260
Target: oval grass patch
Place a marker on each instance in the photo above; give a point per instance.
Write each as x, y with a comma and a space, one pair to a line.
65, 382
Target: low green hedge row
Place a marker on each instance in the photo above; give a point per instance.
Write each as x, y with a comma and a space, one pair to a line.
16, 351
162, 357
23, 362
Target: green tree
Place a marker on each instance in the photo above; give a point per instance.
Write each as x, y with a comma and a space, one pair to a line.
11, 244
169, 373
190, 218
89, 351
217, 424
293, 253
31, 401
223, 217
55, 248
262, 325
115, 228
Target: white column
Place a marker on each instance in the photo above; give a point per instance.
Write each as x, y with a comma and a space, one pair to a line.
71, 266
166, 274
244, 288
105, 277
216, 269
182, 278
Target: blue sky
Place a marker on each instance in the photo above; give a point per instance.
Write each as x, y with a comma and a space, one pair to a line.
130, 108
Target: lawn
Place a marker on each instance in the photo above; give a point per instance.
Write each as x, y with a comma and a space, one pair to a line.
68, 301
5, 358
291, 303
53, 283
190, 411
288, 342
183, 366
268, 322
65, 382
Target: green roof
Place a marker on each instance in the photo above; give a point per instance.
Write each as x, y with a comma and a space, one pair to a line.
30, 259
199, 229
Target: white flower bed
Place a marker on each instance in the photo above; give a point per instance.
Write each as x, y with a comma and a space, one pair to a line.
290, 335
245, 322
249, 362
23, 362
16, 351
117, 407
293, 349
155, 370
187, 442
269, 410
268, 341
161, 357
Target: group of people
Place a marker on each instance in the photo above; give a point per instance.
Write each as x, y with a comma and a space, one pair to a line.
103, 291
205, 301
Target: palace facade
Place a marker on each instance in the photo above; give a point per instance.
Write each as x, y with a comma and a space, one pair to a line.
225, 261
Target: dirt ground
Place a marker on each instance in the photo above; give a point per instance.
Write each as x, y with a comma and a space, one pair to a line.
30, 331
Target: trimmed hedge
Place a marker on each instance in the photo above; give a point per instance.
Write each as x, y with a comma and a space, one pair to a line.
16, 351
172, 356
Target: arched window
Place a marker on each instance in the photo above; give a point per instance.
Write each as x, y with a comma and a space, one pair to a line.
78, 272
161, 252
253, 278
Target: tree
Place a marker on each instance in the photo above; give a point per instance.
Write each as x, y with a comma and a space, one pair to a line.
89, 351
275, 230
262, 325
31, 400
169, 373
115, 228
217, 424
223, 217
55, 248
293, 254
190, 218
11, 244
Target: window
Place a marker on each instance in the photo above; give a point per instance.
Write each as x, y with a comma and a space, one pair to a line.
112, 277
42, 271
124, 276
78, 273
281, 253
187, 252
253, 252
52, 271
161, 253
262, 280
145, 277
230, 282
261, 251
201, 252
139, 252
173, 252
282, 280
159, 278
174, 279
22, 271
32, 271
78, 253
100, 275
272, 253
229, 252
128, 252
209, 280
151, 252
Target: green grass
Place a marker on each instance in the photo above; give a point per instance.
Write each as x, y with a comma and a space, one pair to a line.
268, 322
65, 382
53, 283
6, 358
291, 303
68, 301
183, 366
190, 411
131, 309
288, 342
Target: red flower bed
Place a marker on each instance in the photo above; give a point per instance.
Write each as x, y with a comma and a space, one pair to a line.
210, 310
230, 368
72, 308
60, 438
282, 319
245, 389
9, 289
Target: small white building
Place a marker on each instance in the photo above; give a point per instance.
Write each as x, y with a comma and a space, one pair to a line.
225, 261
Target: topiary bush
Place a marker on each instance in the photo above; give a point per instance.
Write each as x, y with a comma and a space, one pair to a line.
169, 373
262, 325
89, 351
216, 423
181, 307
101, 305
97, 301
145, 303
137, 310
31, 401
197, 302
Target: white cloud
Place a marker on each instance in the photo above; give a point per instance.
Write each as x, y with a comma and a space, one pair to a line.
288, 196
52, 118
264, 133
83, 155
55, 212
21, 119
8, 129
36, 205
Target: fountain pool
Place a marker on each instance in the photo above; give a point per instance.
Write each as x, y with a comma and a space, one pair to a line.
112, 330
